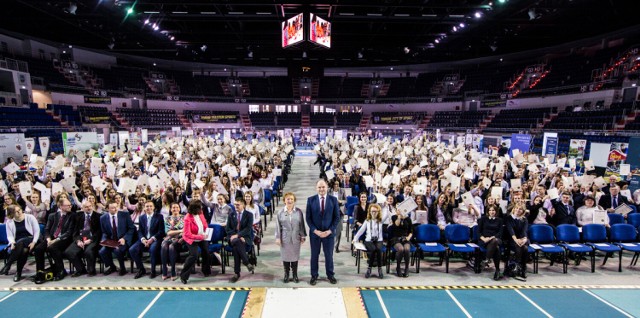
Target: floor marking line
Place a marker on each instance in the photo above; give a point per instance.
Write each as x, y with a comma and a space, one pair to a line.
384, 308
226, 307
5, 297
458, 303
72, 304
533, 303
607, 303
144, 312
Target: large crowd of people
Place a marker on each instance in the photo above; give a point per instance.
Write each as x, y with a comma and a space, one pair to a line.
164, 198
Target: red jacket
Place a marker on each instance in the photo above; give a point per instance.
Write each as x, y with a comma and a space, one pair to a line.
190, 231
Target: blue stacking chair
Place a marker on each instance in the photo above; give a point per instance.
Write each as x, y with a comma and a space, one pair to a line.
457, 237
634, 219
568, 236
263, 213
615, 218
268, 202
633, 208
542, 235
595, 236
276, 191
383, 252
351, 200
4, 242
427, 237
350, 220
216, 245
625, 236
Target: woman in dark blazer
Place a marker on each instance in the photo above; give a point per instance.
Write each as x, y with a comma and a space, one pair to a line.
517, 227
490, 230
441, 213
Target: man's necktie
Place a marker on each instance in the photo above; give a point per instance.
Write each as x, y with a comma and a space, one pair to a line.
86, 226
322, 206
114, 227
239, 218
59, 228
615, 201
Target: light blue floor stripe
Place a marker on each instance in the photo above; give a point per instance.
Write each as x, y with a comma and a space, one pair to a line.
4, 293
237, 305
406, 303
625, 299
35, 304
493, 303
110, 304
193, 303
372, 304
570, 303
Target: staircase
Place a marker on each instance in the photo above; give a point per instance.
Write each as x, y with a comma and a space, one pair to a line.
246, 122
425, 121
121, 120
186, 123
306, 121
487, 120
57, 118
631, 117
364, 121
547, 119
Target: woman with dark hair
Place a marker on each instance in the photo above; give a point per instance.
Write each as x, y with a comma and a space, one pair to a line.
517, 226
360, 210
194, 235
400, 233
388, 210
441, 212
374, 238
173, 226
490, 231
23, 233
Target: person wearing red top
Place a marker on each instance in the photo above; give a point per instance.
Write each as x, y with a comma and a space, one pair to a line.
193, 234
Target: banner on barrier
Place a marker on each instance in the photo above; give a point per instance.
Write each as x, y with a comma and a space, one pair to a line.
30, 145
79, 141
12, 145
521, 142
44, 146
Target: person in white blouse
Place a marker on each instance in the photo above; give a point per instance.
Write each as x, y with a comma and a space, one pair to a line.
373, 240
585, 213
388, 210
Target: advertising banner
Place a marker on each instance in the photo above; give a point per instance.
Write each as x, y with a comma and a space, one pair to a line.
44, 146
576, 150
30, 145
97, 100
215, 119
617, 156
79, 141
521, 142
12, 145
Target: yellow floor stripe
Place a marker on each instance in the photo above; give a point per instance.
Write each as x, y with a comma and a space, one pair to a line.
255, 303
353, 303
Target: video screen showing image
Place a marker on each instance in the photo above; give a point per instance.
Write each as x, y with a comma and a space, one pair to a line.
320, 31
292, 31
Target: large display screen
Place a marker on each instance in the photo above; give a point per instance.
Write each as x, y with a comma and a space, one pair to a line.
320, 31
292, 31
6, 82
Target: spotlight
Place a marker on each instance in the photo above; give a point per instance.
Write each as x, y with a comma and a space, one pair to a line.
203, 48
172, 38
406, 50
478, 14
130, 10
111, 45
72, 8
493, 48
532, 14
502, 1
462, 25
146, 21
156, 28
360, 55
436, 40
250, 54
455, 28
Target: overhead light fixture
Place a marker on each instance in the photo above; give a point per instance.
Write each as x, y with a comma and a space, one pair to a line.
502, 1
203, 48
250, 54
455, 28
436, 40
493, 48
478, 15
360, 55
304, 54
462, 25
406, 50
156, 28
172, 38
72, 8
532, 14
146, 21
130, 10
111, 45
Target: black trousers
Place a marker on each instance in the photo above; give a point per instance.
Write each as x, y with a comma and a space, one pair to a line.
56, 251
239, 254
90, 252
193, 257
19, 253
521, 253
374, 249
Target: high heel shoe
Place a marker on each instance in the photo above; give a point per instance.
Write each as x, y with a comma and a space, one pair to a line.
368, 274
5, 269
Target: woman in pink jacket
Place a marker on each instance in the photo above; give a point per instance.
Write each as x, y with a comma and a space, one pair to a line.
193, 234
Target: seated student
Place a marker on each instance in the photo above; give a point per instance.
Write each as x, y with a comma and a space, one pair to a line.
150, 235
517, 227
220, 209
490, 230
538, 213
441, 212
373, 241
585, 212
193, 234
173, 227
58, 234
115, 226
239, 227
86, 241
23, 233
563, 212
466, 215
422, 206
400, 234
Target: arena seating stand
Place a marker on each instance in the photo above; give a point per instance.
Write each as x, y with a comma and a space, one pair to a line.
351, 120
457, 120
150, 117
265, 119
519, 119
322, 119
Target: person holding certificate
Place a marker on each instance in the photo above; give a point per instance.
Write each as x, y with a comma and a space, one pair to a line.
193, 234
400, 233
373, 241
589, 213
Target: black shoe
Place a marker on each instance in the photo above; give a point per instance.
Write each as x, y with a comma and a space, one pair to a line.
91, 273
250, 267
182, 280
523, 274
337, 250
60, 276
40, 279
295, 278
122, 272
235, 278
398, 272
286, 277
313, 281
154, 275
333, 280
368, 274
110, 270
17, 277
140, 273
497, 276
380, 272
5, 270
79, 273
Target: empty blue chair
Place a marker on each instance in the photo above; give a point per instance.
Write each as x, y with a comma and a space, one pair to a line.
457, 237
4, 242
351, 200
217, 242
615, 218
625, 236
595, 236
542, 235
568, 236
268, 203
427, 237
634, 219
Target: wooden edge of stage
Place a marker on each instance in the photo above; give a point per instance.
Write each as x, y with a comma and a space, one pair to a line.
255, 303
353, 303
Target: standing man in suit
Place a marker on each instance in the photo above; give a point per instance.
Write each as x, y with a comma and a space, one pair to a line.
86, 241
58, 235
151, 233
563, 212
116, 226
611, 201
239, 228
323, 216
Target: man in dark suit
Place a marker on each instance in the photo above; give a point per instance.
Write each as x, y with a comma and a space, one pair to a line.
87, 236
611, 201
239, 229
323, 216
116, 226
151, 233
564, 212
58, 235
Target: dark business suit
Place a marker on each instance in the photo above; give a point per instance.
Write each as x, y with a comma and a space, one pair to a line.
125, 230
322, 221
563, 215
61, 241
154, 232
606, 201
245, 231
74, 252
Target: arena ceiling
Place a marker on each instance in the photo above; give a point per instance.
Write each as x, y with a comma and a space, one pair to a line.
364, 33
